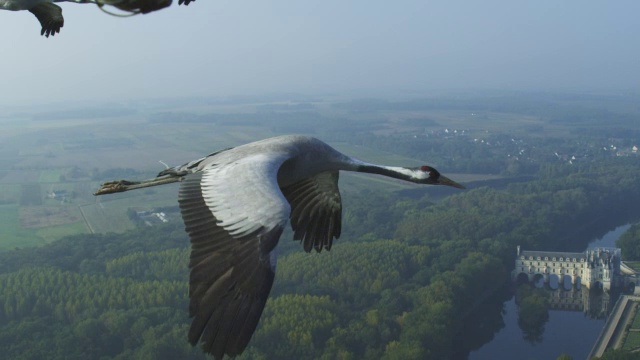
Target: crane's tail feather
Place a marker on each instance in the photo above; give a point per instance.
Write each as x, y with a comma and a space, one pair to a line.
125, 185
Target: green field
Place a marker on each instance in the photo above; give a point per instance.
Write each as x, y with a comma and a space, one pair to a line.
632, 342
12, 234
632, 339
9, 193
53, 233
51, 175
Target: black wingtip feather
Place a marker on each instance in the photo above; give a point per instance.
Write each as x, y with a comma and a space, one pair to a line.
230, 278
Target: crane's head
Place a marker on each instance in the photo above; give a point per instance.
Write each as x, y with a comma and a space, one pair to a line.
428, 175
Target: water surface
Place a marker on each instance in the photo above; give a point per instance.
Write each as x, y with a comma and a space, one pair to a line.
572, 332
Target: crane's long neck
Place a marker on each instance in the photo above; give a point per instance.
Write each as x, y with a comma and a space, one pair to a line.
396, 172
390, 171
422, 175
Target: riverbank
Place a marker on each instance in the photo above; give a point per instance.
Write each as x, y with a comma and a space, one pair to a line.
618, 331
573, 326
614, 330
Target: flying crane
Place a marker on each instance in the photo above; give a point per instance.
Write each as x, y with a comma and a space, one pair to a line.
235, 203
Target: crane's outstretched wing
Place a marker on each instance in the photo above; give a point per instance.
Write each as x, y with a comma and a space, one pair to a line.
316, 210
50, 17
186, 2
234, 214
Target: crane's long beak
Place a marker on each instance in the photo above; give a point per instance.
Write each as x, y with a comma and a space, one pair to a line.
443, 180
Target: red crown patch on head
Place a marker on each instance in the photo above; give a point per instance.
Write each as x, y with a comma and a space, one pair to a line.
425, 168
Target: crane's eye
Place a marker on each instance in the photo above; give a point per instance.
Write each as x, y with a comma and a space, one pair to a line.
433, 173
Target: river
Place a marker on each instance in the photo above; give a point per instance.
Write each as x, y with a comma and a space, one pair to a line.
571, 332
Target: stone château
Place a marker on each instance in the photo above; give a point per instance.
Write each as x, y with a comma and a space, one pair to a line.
594, 268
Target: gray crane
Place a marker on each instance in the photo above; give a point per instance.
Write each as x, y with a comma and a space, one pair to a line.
235, 203
50, 14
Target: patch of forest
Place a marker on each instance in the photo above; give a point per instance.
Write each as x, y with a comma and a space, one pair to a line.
629, 243
400, 283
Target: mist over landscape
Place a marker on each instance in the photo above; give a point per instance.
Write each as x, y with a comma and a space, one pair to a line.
360, 48
534, 107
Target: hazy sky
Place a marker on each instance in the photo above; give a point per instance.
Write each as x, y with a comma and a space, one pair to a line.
230, 47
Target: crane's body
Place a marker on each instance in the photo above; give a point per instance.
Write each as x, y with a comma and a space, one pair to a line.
294, 157
235, 203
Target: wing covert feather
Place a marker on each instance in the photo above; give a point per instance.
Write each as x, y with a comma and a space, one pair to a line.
232, 266
316, 210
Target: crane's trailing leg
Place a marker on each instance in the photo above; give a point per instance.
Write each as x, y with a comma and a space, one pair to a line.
126, 185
